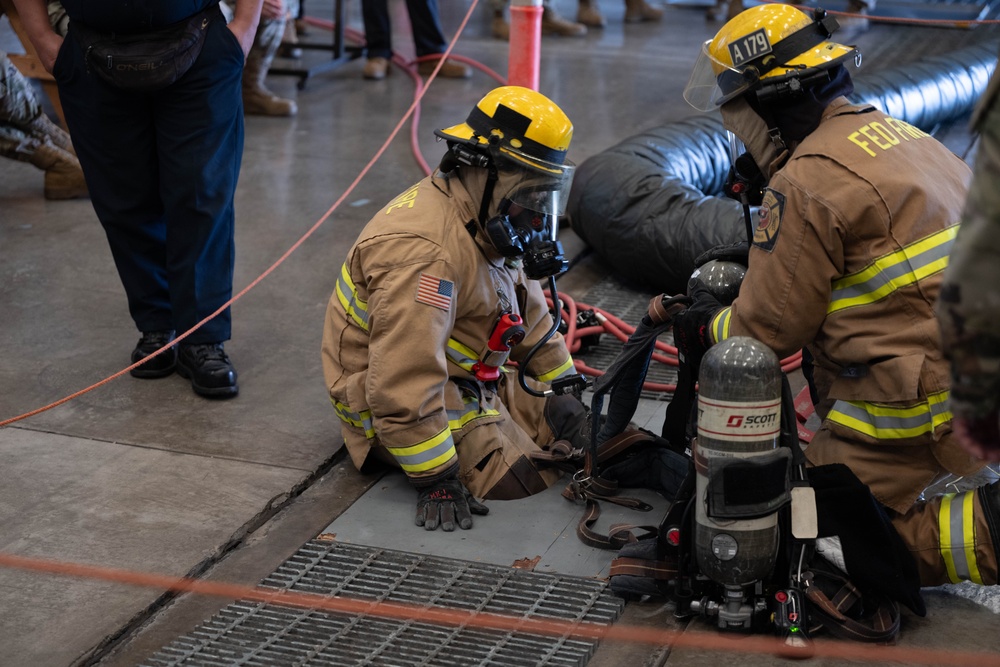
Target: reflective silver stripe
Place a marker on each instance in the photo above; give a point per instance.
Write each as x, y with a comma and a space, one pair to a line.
720, 325
362, 420
890, 422
347, 294
957, 537
425, 455
457, 419
894, 271
461, 355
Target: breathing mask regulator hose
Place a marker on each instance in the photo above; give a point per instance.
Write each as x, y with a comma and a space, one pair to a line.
556, 308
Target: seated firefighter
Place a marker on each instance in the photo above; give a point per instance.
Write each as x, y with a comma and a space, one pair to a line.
436, 279
855, 226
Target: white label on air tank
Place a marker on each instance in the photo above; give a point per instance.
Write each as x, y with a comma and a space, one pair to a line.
738, 420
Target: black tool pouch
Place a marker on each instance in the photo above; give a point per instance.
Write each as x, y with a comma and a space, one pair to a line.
147, 61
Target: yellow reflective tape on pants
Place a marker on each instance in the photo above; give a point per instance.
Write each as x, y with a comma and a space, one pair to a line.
894, 271
362, 420
425, 455
957, 537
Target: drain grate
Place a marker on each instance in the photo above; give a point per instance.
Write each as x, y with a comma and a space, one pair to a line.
253, 633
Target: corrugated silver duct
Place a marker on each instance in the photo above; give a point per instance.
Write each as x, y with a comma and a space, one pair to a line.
649, 205
932, 90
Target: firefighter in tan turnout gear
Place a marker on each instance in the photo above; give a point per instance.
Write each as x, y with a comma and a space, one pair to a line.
438, 287
853, 234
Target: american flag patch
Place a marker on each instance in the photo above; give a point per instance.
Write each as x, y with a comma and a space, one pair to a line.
435, 292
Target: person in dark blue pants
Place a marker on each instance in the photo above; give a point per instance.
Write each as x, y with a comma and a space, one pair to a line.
427, 38
162, 169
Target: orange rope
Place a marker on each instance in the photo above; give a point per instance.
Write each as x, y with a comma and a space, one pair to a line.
710, 641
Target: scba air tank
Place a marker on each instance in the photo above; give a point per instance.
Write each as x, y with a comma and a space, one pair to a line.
740, 468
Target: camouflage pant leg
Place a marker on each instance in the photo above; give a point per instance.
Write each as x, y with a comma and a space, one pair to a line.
18, 108
268, 37
58, 18
969, 305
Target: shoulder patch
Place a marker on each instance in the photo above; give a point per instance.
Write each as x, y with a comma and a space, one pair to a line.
435, 291
769, 220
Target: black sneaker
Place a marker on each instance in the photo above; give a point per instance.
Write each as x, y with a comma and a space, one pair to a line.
209, 369
160, 366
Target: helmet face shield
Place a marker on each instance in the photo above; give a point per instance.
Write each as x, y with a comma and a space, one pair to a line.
704, 88
542, 187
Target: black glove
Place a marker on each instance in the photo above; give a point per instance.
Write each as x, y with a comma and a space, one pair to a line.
738, 252
447, 502
691, 333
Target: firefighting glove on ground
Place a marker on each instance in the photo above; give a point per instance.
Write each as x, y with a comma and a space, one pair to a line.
691, 327
446, 502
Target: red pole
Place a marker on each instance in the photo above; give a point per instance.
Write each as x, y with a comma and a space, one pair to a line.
525, 43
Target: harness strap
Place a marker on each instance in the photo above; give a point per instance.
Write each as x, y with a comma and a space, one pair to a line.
618, 535
881, 627
659, 570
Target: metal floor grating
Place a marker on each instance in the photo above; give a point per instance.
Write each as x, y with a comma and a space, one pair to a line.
613, 296
253, 633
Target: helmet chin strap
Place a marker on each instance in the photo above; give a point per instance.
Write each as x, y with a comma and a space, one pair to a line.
492, 176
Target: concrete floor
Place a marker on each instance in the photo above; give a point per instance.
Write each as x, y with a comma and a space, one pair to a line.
144, 475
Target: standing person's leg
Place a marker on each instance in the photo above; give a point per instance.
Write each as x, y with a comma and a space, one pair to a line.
378, 38
199, 137
27, 135
116, 145
428, 39
499, 26
257, 98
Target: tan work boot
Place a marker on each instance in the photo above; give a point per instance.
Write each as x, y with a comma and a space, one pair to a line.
499, 28
42, 128
637, 11
376, 68
257, 99
553, 24
63, 175
589, 14
449, 70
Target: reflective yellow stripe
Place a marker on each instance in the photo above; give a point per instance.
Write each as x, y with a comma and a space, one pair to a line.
958, 538
886, 422
457, 419
425, 455
563, 369
719, 326
347, 294
893, 271
461, 355
362, 420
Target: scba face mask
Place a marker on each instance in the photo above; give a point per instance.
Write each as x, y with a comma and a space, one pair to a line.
519, 232
526, 223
